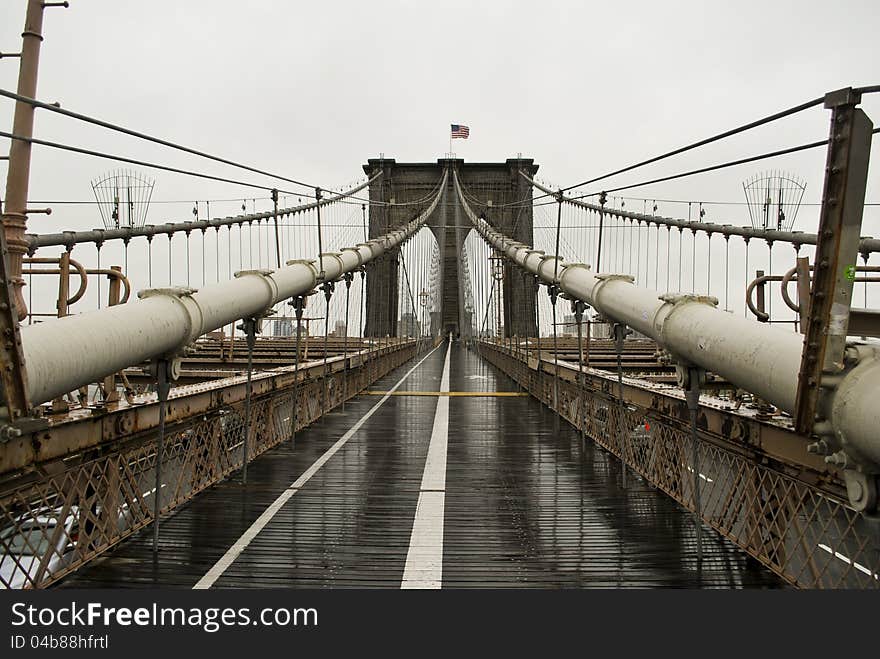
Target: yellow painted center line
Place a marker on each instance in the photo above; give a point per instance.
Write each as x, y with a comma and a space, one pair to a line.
515, 394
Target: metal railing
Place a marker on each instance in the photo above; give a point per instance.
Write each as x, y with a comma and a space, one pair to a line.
57, 518
803, 531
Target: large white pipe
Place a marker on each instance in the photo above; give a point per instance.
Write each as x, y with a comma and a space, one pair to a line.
70, 352
757, 357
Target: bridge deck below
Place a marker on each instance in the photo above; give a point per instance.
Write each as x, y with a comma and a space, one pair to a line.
524, 505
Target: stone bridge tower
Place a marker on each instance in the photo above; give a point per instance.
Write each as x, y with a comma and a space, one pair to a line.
493, 186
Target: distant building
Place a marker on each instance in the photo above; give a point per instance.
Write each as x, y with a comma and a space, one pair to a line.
340, 329
283, 327
408, 325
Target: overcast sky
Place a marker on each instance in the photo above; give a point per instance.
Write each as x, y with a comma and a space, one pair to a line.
311, 90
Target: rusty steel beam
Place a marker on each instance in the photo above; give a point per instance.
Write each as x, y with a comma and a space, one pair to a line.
843, 202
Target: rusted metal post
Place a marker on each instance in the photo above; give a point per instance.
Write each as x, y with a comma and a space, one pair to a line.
621, 331
803, 289
59, 405
13, 376
760, 297
277, 239
578, 307
14, 245
603, 198
63, 283
298, 303
18, 176
840, 221
163, 388
250, 328
327, 287
110, 393
553, 292
694, 378
537, 321
320, 234
349, 276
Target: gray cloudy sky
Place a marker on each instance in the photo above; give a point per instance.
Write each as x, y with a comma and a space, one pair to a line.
311, 90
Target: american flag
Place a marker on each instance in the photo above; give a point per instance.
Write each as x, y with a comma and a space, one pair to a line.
460, 131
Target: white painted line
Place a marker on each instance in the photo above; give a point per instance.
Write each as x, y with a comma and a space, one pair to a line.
241, 544
424, 560
849, 561
703, 476
434, 476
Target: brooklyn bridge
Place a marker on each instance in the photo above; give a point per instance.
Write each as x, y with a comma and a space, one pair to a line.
445, 374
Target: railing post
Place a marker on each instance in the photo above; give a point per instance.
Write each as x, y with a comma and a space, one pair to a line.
250, 327
348, 277
110, 394
163, 372
692, 379
553, 292
603, 198
327, 287
298, 303
803, 291
578, 307
621, 331
277, 238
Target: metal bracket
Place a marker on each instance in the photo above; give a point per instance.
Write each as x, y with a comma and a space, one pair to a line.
22, 426
310, 262
174, 291
260, 271
681, 298
620, 332
837, 246
328, 287
862, 490
610, 277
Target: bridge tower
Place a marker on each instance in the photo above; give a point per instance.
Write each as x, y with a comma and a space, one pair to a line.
495, 189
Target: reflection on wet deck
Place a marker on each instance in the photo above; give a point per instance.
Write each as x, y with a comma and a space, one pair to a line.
525, 505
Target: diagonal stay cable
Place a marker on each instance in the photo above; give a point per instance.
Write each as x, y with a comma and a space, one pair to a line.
157, 140
708, 140
142, 163
711, 168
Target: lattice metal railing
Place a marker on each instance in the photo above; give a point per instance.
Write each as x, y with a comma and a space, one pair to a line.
805, 534
59, 521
